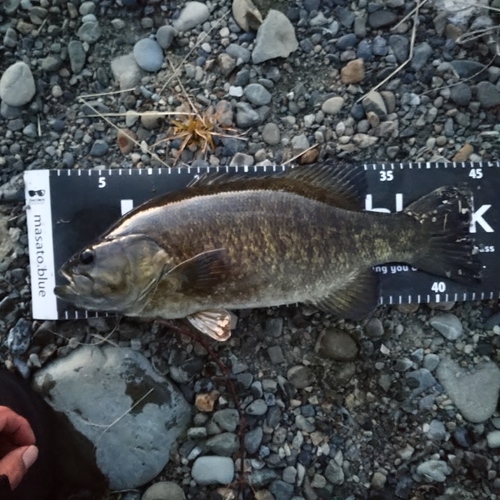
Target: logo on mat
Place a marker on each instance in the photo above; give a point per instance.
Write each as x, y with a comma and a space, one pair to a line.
36, 195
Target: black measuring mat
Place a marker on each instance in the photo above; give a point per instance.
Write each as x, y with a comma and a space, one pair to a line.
67, 209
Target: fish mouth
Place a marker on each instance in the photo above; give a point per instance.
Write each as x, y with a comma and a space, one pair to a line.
78, 285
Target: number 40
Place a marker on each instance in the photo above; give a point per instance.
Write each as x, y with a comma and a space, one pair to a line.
438, 287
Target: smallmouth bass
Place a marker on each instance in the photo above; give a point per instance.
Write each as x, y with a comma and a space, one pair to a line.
227, 243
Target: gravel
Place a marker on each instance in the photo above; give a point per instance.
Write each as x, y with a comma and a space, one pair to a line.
401, 405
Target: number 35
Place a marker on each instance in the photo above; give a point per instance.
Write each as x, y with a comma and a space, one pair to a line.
386, 175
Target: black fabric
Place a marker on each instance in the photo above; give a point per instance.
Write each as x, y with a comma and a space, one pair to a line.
4, 486
19, 397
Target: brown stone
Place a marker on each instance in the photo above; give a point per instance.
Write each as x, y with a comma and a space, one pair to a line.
309, 156
463, 153
125, 139
353, 72
205, 402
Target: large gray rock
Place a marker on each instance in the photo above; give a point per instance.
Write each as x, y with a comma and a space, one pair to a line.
17, 86
275, 38
113, 398
474, 394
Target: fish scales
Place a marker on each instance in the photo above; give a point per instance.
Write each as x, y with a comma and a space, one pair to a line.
277, 242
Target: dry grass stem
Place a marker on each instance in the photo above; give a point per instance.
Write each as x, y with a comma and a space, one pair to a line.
137, 143
293, 158
473, 35
411, 13
137, 113
107, 427
196, 45
497, 53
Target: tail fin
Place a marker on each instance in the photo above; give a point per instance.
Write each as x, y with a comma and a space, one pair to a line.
445, 216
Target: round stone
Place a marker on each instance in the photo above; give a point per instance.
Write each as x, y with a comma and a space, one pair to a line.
17, 86
336, 344
164, 490
333, 105
271, 134
213, 470
165, 36
148, 54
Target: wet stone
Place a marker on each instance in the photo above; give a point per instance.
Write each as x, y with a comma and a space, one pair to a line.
437, 431
474, 394
381, 18
448, 325
273, 327
434, 470
281, 490
19, 337
304, 424
461, 94
257, 94
148, 54
213, 470
420, 380
334, 473
89, 32
76, 55
253, 439
336, 344
227, 419
99, 148
257, 407
165, 36
276, 355
374, 328
164, 490
224, 444
488, 94
300, 376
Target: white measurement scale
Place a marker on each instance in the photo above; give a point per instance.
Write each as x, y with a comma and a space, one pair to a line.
67, 209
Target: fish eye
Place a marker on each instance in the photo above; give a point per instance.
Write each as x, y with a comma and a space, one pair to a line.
87, 257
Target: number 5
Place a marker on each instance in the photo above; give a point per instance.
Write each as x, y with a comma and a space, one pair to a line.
102, 182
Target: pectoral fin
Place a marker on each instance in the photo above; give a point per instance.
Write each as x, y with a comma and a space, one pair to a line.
355, 300
203, 271
215, 323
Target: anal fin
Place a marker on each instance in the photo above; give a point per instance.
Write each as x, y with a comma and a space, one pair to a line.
215, 323
355, 300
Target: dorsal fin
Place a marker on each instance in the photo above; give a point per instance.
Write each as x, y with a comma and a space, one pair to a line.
343, 186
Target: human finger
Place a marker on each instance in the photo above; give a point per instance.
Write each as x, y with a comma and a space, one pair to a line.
16, 463
16, 427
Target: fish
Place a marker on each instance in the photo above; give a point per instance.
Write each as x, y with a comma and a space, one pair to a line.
225, 243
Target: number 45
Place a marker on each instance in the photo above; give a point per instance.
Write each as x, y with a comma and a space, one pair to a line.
476, 173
